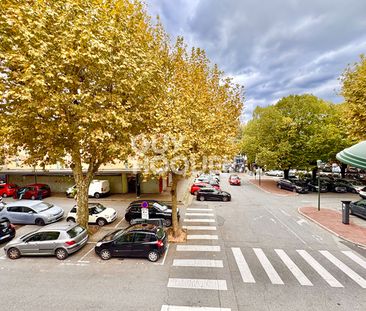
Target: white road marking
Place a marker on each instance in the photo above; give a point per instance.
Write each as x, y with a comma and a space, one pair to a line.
244, 270
208, 228
197, 284
202, 237
355, 258
267, 266
298, 274
320, 269
198, 248
317, 237
273, 220
198, 263
199, 220
285, 213
199, 209
301, 221
184, 308
81, 259
166, 253
199, 214
119, 222
347, 270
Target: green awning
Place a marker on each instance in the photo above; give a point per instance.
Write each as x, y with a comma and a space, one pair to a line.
355, 155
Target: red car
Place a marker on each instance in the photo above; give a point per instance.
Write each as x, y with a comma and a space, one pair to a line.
198, 185
33, 192
234, 180
8, 190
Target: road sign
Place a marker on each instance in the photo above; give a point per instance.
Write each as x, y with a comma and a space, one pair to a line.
145, 204
144, 213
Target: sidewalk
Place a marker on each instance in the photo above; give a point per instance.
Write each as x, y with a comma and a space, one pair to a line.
270, 186
331, 220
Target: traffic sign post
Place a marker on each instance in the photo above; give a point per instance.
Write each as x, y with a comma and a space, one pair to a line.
145, 210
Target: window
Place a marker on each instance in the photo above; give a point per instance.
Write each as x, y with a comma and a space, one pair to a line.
35, 237
73, 210
75, 231
125, 238
2, 187
50, 236
142, 237
15, 209
26, 210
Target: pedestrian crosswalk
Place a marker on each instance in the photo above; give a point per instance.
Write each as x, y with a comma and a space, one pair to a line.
324, 263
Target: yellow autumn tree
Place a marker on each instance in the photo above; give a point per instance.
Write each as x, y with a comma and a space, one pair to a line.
77, 78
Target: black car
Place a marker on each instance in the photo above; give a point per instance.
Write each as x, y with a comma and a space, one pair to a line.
358, 208
292, 185
140, 240
337, 186
352, 185
211, 194
150, 202
156, 210
7, 231
313, 186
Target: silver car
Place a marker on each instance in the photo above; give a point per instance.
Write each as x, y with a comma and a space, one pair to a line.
31, 212
60, 240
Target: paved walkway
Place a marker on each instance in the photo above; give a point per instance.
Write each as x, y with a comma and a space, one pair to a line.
332, 221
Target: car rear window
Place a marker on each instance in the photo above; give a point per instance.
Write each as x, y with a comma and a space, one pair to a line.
160, 233
75, 231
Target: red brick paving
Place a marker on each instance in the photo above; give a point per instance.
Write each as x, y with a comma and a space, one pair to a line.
332, 221
270, 185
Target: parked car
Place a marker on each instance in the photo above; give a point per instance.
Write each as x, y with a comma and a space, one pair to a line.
8, 190
197, 186
313, 186
352, 185
362, 193
98, 214
358, 208
141, 240
60, 240
97, 189
33, 192
292, 185
7, 231
156, 210
31, 212
234, 180
337, 186
276, 173
153, 221
209, 194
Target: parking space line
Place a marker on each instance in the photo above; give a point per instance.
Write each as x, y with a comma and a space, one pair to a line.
81, 259
120, 222
185, 308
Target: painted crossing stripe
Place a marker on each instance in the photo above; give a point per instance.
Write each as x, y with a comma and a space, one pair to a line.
198, 263
198, 248
246, 275
199, 214
208, 228
298, 274
320, 269
355, 258
199, 209
184, 308
197, 284
202, 237
199, 220
267, 266
347, 270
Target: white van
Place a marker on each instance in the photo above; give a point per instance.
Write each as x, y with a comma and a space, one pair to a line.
97, 189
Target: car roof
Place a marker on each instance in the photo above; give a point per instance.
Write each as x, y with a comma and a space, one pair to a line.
142, 227
28, 203
58, 226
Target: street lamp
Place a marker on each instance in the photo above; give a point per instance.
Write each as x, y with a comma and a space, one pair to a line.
320, 165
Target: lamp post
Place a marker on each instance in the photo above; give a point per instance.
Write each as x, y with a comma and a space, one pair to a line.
319, 164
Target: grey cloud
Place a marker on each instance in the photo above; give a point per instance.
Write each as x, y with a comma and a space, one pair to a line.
274, 47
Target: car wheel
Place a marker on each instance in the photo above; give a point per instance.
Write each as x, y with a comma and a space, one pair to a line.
101, 222
279, 186
167, 222
225, 199
61, 254
105, 254
97, 195
131, 222
39, 222
70, 219
33, 197
202, 198
153, 256
13, 253
5, 195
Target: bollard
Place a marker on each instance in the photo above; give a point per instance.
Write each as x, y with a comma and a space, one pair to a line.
345, 212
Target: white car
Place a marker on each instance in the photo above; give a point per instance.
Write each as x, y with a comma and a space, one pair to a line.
97, 189
98, 214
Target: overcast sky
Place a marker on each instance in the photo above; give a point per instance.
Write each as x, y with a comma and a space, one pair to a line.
273, 47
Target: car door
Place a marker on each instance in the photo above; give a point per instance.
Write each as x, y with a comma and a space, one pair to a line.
14, 214
31, 244
92, 214
28, 216
141, 244
47, 242
123, 245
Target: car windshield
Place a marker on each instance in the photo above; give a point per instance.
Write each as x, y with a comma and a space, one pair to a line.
160, 207
111, 236
41, 207
98, 208
356, 183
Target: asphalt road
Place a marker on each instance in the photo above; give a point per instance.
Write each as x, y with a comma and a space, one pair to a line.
254, 253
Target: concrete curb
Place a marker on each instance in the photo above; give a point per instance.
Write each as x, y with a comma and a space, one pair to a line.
331, 231
269, 192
